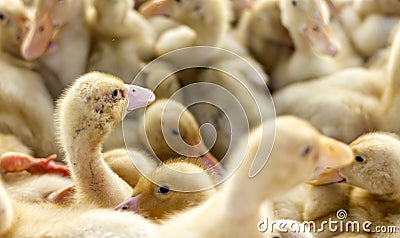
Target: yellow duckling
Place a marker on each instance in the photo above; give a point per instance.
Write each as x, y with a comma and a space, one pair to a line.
122, 39
59, 28
34, 126
171, 131
370, 103
157, 201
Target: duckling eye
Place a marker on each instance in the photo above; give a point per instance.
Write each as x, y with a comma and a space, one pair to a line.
359, 159
164, 190
294, 3
2, 17
116, 94
175, 132
178, 1
306, 151
315, 28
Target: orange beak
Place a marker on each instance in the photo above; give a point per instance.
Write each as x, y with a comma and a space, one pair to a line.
334, 155
321, 37
154, 8
39, 36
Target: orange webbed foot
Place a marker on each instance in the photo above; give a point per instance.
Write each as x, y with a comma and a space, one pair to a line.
12, 162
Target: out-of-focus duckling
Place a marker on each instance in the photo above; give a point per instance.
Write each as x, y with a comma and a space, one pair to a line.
171, 131
308, 25
59, 29
21, 88
372, 102
122, 39
362, 21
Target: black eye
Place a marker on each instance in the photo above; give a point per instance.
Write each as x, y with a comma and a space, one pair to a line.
294, 3
315, 28
179, 1
175, 132
306, 151
115, 94
163, 190
360, 159
2, 17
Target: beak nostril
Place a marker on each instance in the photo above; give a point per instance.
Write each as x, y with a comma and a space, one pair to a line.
125, 208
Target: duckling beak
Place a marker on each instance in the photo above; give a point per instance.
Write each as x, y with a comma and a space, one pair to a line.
130, 204
321, 37
138, 97
38, 37
154, 8
333, 156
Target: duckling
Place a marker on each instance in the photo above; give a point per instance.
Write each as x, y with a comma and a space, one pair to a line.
276, 41
86, 114
14, 25
170, 131
376, 198
309, 30
59, 29
304, 150
33, 127
359, 26
207, 19
157, 201
120, 45
364, 107
337, 55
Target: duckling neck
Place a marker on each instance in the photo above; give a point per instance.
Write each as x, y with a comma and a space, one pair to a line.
210, 23
300, 42
95, 181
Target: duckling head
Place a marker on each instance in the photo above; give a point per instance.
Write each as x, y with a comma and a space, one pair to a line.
158, 201
92, 107
376, 164
202, 16
172, 131
310, 18
297, 156
50, 16
13, 25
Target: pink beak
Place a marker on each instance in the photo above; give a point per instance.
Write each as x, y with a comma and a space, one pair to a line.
138, 97
130, 204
